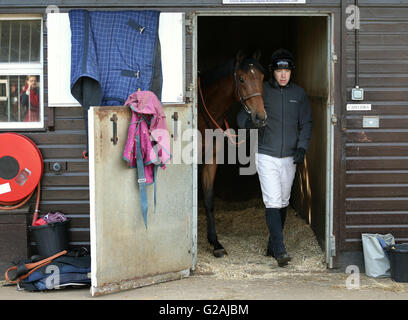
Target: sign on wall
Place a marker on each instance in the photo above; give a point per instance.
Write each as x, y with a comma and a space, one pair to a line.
358, 107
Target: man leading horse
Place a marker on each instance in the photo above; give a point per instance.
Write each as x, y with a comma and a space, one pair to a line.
282, 144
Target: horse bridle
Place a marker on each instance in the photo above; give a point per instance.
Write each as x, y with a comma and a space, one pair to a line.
242, 99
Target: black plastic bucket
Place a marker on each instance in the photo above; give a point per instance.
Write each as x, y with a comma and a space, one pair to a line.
399, 262
50, 238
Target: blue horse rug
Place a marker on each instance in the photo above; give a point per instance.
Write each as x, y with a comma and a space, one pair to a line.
117, 49
61, 271
113, 54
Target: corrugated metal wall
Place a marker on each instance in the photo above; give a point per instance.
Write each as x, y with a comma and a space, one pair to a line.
376, 160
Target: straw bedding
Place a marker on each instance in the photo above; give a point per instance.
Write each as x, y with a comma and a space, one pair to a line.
242, 230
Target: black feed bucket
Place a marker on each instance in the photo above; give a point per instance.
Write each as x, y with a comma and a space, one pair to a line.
50, 238
399, 262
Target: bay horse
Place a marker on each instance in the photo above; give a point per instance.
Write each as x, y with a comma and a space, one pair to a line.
238, 80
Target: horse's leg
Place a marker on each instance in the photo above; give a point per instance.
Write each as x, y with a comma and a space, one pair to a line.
208, 176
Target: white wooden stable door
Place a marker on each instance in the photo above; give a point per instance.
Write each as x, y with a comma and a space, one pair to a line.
124, 253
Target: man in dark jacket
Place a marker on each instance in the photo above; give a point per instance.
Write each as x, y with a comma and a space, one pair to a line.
282, 144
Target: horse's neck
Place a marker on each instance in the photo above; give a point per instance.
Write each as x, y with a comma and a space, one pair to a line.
219, 97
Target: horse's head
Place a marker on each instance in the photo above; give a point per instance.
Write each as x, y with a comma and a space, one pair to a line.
248, 76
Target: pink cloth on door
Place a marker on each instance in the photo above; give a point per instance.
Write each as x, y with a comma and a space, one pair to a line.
154, 137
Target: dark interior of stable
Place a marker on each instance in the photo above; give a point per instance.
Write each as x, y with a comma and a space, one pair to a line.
219, 39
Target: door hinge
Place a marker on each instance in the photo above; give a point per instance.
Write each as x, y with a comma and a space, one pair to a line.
334, 119
189, 93
334, 57
188, 22
332, 246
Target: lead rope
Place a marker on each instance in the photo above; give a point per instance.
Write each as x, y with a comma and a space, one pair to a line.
31, 267
225, 132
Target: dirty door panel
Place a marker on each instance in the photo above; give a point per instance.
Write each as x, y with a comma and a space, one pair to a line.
126, 254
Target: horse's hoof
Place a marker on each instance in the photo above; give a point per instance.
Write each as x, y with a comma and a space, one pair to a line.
219, 253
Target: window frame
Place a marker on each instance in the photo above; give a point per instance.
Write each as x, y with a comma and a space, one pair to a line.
23, 69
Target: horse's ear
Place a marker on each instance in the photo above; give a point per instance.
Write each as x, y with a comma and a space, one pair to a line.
257, 54
239, 58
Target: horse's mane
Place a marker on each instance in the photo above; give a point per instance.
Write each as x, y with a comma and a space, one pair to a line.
227, 69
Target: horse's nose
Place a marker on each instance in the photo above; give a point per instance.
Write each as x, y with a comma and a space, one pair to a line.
260, 119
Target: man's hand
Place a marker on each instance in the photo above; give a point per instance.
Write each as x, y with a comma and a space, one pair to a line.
244, 120
299, 156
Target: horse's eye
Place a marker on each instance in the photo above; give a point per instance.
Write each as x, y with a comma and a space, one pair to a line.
241, 80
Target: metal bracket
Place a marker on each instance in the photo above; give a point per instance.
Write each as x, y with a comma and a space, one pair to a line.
175, 125
332, 246
57, 167
188, 22
334, 119
114, 120
189, 93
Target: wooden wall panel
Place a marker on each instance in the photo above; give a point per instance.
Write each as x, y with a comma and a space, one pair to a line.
376, 160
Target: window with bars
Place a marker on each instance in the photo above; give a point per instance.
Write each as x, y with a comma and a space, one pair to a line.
21, 72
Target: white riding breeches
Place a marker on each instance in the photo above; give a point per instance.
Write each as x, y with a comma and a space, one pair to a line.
276, 176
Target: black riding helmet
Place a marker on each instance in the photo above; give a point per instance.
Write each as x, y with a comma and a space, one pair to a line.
282, 59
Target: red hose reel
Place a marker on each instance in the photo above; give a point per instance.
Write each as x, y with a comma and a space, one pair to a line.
21, 169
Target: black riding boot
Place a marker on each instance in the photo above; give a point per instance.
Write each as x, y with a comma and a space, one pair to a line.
276, 247
283, 215
283, 212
